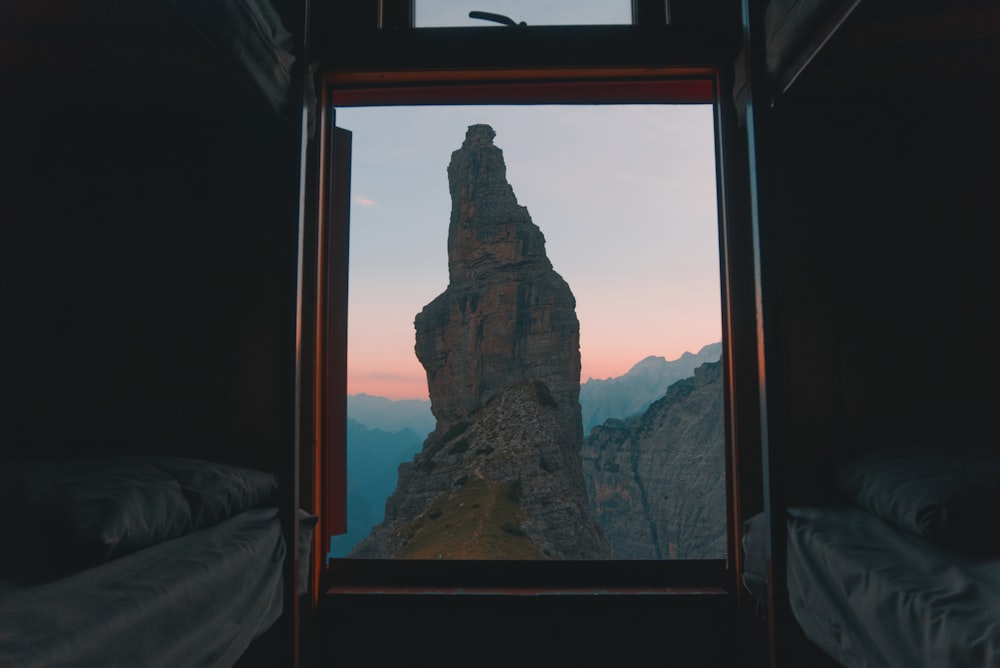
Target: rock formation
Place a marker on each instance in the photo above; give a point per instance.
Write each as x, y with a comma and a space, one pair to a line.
500, 476
506, 315
657, 481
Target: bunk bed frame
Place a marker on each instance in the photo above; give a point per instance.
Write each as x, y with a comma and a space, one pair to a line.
132, 130
863, 55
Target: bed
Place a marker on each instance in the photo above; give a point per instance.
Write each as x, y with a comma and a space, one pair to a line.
131, 561
905, 574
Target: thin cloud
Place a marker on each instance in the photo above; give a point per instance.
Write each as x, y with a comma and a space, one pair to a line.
365, 201
392, 376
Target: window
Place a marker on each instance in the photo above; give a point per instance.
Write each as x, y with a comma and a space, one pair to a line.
618, 97
625, 197
448, 13
646, 63
459, 13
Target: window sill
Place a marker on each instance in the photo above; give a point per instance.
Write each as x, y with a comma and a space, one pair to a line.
369, 576
524, 591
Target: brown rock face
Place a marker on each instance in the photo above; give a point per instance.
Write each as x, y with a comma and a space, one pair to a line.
506, 316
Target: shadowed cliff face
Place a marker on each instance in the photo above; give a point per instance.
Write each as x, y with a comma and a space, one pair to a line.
506, 315
657, 480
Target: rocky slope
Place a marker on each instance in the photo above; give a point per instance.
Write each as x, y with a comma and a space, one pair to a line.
657, 481
498, 485
501, 350
633, 392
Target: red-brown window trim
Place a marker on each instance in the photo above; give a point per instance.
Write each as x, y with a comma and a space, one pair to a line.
612, 86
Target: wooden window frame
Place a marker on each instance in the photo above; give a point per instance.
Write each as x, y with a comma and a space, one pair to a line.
649, 61
564, 86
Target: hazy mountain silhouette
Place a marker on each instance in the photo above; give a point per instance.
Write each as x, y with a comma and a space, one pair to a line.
633, 392
360, 520
373, 459
391, 414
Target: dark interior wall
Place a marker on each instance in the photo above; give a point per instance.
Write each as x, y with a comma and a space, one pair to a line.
148, 280
885, 246
497, 631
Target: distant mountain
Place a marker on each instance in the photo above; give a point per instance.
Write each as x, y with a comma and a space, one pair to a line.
391, 415
633, 392
657, 481
373, 459
360, 520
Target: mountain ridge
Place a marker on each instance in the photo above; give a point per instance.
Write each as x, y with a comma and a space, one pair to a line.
656, 481
377, 412
645, 382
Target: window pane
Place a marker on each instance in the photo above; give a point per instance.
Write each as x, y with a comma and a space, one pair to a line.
455, 13
548, 276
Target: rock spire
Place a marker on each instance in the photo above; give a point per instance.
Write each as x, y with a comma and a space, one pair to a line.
500, 476
506, 315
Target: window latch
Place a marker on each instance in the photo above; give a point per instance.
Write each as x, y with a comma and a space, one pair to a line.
496, 18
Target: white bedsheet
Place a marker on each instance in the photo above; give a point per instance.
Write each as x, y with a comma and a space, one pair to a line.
873, 596
197, 600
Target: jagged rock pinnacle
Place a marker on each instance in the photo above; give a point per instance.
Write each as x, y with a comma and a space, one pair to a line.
488, 226
480, 133
500, 476
506, 315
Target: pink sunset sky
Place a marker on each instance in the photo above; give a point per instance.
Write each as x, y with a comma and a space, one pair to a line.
624, 194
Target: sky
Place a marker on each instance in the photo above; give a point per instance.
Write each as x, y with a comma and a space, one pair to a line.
453, 13
624, 194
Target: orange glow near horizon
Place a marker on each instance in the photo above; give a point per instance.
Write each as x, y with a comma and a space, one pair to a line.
395, 387
624, 194
408, 381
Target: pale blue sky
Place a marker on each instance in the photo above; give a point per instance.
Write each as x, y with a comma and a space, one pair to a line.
454, 13
625, 196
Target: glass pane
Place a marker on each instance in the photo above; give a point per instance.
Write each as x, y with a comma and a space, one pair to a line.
455, 13
548, 278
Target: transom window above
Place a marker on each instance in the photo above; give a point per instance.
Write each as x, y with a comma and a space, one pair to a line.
455, 13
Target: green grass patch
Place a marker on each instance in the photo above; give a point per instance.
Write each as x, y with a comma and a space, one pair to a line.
513, 529
479, 520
